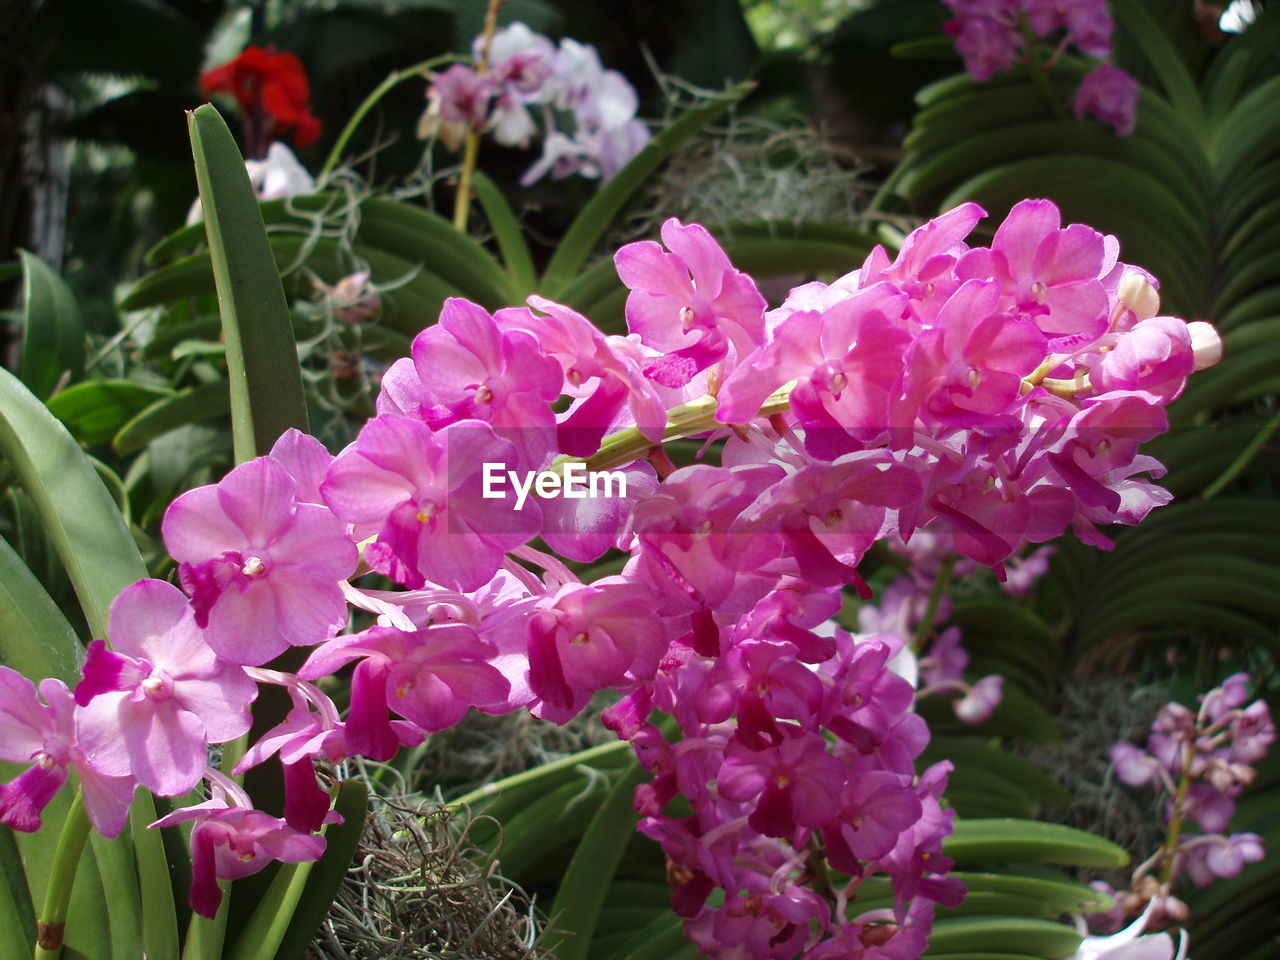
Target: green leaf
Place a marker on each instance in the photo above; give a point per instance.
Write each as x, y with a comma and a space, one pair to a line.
193, 405
53, 335
1000, 935
1154, 42
586, 883
262, 358
594, 219
35, 638
17, 913
1021, 774
508, 232
94, 410
1060, 896
302, 210
152, 878
299, 897
1029, 841
83, 522
422, 237
101, 559
502, 799
550, 822
116, 868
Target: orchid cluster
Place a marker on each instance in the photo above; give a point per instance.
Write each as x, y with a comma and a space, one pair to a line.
998, 394
991, 35
1200, 761
588, 113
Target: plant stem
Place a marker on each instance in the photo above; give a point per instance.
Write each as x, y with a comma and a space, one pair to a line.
490, 790
690, 419
1179, 811
1036, 69
940, 584
394, 80
462, 200
51, 924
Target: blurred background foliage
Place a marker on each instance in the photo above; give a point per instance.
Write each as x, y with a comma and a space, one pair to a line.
860, 125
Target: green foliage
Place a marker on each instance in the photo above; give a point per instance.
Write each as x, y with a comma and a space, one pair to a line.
262, 358
53, 334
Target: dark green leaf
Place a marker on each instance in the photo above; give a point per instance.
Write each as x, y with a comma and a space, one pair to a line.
508, 232
53, 335
193, 405
1029, 841
94, 410
262, 358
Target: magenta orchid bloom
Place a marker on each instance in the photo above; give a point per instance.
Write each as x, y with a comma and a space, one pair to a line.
230, 842
468, 367
431, 677
152, 703
44, 735
588, 637
262, 569
422, 494
689, 303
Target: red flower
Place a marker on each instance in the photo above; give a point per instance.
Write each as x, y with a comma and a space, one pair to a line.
270, 87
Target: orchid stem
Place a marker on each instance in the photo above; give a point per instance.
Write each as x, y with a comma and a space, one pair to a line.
382, 89
940, 584
66, 859
1179, 811
462, 200
1037, 69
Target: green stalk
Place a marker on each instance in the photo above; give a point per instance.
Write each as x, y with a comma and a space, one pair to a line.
925, 626
1179, 811
690, 419
66, 858
380, 91
462, 200
1038, 75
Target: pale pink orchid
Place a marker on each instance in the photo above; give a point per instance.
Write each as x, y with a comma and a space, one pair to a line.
151, 704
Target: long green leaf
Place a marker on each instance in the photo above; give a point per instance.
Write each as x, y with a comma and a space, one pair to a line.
194, 405
507, 231
1029, 841
82, 519
53, 338
35, 638
586, 883
101, 559
594, 219
998, 935
17, 913
262, 358
94, 410
1156, 46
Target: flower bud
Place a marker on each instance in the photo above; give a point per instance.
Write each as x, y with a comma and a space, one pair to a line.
1139, 295
1206, 345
